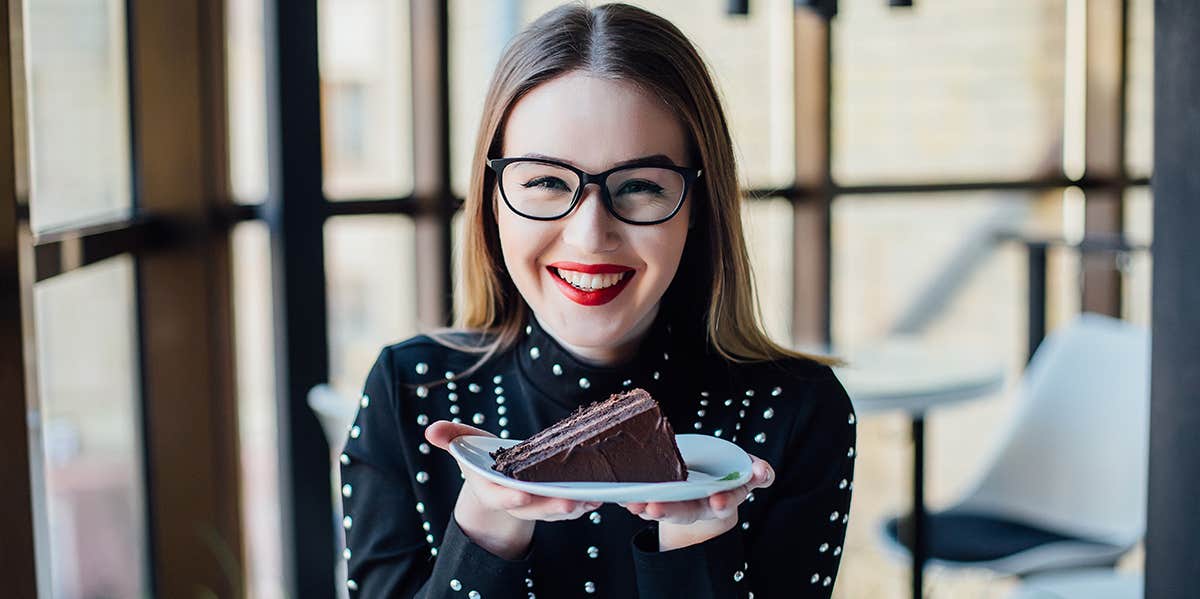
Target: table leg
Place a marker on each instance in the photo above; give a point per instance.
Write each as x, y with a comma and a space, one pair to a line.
919, 548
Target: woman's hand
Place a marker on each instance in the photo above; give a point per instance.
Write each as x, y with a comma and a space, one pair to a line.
683, 523
498, 518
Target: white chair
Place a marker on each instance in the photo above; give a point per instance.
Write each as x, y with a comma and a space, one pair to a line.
336, 414
1066, 487
1091, 583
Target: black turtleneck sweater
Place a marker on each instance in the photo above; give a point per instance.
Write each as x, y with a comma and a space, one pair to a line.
399, 492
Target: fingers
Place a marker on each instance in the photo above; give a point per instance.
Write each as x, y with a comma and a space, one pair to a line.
763, 474
441, 432
553, 509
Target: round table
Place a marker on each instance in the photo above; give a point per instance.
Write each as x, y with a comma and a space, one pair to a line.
914, 376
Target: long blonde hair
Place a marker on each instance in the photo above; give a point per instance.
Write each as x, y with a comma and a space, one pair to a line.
617, 41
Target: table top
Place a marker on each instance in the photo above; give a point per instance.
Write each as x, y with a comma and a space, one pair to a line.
914, 376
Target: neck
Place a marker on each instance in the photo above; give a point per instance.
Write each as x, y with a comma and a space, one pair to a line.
608, 355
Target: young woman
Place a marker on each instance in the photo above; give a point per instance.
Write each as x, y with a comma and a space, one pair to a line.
603, 251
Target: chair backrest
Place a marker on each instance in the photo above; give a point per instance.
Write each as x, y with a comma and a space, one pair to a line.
1074, 458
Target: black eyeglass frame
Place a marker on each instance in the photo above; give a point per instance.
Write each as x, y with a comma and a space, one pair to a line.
690, 175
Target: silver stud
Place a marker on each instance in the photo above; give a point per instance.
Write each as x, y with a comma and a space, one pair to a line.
455, 584
453, 397
850, 452
433, 551
528, 329
851, 419
776, 391
741, 413
828, 581
728, 402
422, 477
589, 586
454, 409
423, 448
496, 379
737, 426
364, 401
700, 413
456, 420
733, 438
760, 438
594, 517
477, 418
422, 368
529, 583
823, 548
504, 434
346, 553
696, 426
745, 526
350, 584
749, 392
556, 369
422, 419
347, 490
593, 552
737, 576
717, 432
429, 539
843, 484
626, 382
449, 375
815, 578
499, 400
750, 497
498, 390
584, 383
501, 410
833, 516
344, 459
846, 519
347, 522
473, 388
503, 421
746, 402
422, 391
355, 432
425, 525
473, 595
655, 375
704, 394
420, 507
535, 353
837, 550
769, 413
666, 357
452, 385
704, 402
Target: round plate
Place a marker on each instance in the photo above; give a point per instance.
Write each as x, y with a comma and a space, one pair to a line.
714, 465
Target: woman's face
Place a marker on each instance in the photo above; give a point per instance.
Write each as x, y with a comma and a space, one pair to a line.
593, 124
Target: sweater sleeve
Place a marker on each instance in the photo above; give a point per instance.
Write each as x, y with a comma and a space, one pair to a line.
389, 541
792, 546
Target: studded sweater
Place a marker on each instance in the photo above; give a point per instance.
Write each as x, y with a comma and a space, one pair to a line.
399, 493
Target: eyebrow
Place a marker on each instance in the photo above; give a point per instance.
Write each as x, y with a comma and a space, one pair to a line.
652, 160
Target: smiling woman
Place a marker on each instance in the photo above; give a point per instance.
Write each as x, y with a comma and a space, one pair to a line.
598, 259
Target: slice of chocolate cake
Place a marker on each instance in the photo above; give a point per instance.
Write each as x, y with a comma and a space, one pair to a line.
625, 438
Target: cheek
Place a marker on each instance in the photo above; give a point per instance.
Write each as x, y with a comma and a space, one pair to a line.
521, 241
661, 250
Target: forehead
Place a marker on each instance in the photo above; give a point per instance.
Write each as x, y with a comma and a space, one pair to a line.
592, 123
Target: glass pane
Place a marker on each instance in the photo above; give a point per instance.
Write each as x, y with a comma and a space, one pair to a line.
888, 254
751, 58
1139, 89
79, 112
247, 100
1138, 266
768, 225
370, 270
366, 90
91, 429
947, 90
258, 433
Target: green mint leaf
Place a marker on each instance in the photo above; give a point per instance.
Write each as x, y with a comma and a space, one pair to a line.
731, 476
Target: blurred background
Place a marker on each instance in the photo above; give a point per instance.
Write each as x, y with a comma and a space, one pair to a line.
230, 204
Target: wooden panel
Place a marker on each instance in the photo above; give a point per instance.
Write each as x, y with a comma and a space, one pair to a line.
810, 275
184, 290
18, 550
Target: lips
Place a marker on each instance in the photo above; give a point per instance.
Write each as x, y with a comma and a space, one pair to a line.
594, 297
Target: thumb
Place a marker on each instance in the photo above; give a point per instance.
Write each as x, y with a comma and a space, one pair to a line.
440, 433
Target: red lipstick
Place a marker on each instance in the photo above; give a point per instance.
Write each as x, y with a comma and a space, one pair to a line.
597, 297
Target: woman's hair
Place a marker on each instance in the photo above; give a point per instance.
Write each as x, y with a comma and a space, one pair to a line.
713, 288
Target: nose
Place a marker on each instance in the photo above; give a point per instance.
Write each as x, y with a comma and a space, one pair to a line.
590, 227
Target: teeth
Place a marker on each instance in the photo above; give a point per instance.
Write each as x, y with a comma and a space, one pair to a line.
589, 282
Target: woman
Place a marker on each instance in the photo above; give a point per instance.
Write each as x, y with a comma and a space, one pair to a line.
571, 291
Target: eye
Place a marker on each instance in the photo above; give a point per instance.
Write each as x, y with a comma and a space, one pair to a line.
546, 183
640, 187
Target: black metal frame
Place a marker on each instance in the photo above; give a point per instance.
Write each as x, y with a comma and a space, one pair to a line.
689, 174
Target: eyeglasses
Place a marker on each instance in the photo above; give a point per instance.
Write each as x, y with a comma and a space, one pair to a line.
542, 189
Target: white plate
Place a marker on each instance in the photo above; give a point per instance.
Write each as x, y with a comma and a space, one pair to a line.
708, 459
